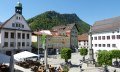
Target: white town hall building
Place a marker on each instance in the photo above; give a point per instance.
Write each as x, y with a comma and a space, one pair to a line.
106, 34
15, 34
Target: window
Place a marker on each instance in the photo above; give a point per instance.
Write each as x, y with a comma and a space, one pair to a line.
108, 37
103, 37
103, 45
22, 26
108, 45
99, 37
28, 44
27, 36
113, 45
19, 44
95, 38
84, 43
19, 18
113, 36
19, 35
99, 45
117, 31
95, 45
17, 25
12, 35
13, 25
23, 43
5, 44
11, 44
23, 36
118, 36
16, 17
6, 34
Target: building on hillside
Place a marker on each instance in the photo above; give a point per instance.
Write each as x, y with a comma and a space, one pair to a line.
83, 41
106, 34
64, 36
15, 34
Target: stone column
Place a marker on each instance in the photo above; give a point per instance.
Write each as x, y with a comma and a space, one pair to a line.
91, 53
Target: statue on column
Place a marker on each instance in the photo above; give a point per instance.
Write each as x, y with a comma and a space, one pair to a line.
91, 52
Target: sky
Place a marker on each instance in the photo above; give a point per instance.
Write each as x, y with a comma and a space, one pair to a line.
87, 10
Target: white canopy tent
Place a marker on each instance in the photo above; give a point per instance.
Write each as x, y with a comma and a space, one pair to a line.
4, 58
23, 55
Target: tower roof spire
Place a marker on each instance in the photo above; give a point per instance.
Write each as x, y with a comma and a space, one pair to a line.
19, 4
18, 7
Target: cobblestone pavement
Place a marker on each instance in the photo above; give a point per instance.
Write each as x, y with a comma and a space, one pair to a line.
75, 62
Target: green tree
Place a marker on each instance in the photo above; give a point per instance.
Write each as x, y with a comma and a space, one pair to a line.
104, 58
83, 52
66, 54
115, 54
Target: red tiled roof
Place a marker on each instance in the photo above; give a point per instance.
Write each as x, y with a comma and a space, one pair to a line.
83, 37
106, 25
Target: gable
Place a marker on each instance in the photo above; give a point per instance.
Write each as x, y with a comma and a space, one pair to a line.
17, 21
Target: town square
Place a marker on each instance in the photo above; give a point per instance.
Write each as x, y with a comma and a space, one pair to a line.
59, 36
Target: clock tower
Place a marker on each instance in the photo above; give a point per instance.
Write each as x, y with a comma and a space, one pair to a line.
18, 8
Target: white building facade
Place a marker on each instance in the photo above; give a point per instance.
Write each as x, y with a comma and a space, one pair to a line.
106, 34
15, 34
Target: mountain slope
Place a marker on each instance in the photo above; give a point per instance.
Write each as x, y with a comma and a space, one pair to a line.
51, 18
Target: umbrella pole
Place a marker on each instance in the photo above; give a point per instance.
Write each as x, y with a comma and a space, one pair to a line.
45, 57
45, 54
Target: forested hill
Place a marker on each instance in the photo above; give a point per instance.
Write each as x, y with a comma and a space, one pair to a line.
51, 18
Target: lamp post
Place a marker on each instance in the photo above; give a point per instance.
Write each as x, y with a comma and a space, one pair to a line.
91, 53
